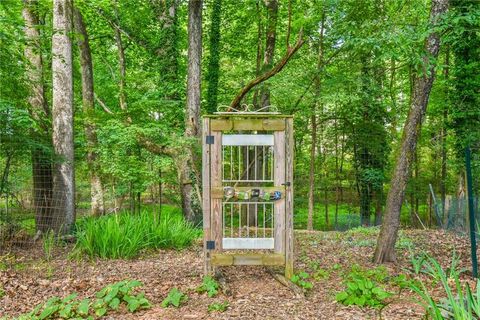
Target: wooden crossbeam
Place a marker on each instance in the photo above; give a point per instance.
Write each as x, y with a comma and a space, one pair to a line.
247, 259
217, 192
248, 124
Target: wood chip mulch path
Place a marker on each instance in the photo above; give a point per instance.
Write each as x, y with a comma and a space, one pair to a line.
26, 279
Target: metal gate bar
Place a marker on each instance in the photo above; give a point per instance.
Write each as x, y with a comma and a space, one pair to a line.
237, 222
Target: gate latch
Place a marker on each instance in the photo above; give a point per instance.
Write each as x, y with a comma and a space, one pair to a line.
287, 184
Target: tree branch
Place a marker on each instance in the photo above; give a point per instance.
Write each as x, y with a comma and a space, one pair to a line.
102, 104
270, 73
314, 78
153, 147
130, 35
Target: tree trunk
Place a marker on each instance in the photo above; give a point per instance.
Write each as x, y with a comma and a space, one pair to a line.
121, 61
88, 103
362, 154
443, 178
311, 175
385, 250
189, 177
337, 176
213, 73
166, 12
378, 206
62, 115
311, 190
326, 200
269, 53
260, 53
41, 159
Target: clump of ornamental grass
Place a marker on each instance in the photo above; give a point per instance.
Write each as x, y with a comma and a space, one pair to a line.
125, 235
459, 302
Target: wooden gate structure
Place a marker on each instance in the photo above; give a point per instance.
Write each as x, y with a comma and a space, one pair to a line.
247, 190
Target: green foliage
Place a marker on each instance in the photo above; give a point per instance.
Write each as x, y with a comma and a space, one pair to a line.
113, 295
125, 235
301, 279
318, 272
363, 292
378, 274
347, 217
174, 298
219, 307
418, 262
108, 299
214, 59
364, 231
460, 302
48, 244
210, 286
402, 281
363, 289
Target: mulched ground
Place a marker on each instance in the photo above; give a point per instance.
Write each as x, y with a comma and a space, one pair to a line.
27, 280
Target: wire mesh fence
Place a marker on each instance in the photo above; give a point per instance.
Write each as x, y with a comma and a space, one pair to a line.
349, 190
31, 207
452, 212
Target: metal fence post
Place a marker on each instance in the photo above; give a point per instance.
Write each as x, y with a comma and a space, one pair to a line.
471, 211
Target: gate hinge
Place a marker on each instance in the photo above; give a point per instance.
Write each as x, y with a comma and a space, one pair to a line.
210, 140
210, 245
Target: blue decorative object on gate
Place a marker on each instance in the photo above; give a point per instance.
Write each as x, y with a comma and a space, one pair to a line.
277, 195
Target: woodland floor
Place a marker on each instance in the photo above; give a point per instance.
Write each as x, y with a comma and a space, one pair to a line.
27, 281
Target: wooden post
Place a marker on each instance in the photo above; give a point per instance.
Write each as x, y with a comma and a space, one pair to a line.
289, 153
216, 182
279, 182
206, 195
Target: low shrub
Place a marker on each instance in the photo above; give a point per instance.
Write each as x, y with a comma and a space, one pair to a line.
362, 292
125, 235
363, 287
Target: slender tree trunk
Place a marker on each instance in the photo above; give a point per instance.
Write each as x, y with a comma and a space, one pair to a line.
88, 102
62, 114
378, 206
121, 62
326, 201
271, 38
213, 73
337, 176
443, 178
260, 53
311, 177
189, 177
413, 180
415, 203
385, 250
194, 67
41, 159
166, 12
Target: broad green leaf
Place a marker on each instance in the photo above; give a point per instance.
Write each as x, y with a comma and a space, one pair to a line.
114, 303
83, 307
